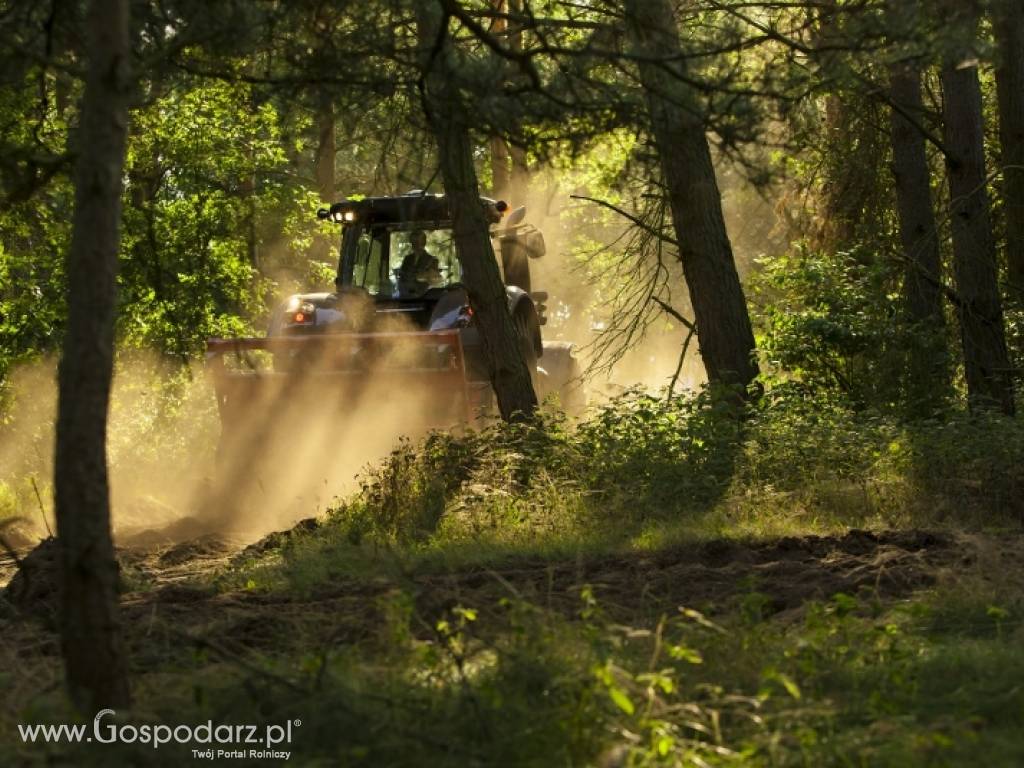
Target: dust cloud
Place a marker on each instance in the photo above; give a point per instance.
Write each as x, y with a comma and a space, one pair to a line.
296, 435
292, 441
579, 307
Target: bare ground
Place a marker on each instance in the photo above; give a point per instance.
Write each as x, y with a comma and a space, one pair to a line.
175, 610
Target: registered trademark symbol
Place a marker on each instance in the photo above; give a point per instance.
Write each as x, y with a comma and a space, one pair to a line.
296, 722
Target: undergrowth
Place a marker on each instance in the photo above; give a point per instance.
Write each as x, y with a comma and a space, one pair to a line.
644, 472
848, 681
353, 627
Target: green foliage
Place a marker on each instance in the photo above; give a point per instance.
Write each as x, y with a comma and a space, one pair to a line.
832, 323
33, 241
641, 472
825, 326
204, 169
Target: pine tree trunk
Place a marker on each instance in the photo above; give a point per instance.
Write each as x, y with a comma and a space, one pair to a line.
986, 362
93, 651
1009, 33
446, 117
723, 324
325, 150
519, 181
922, 292
912, 177
500, 176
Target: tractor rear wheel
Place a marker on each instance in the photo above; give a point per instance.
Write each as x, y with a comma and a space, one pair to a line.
525, 329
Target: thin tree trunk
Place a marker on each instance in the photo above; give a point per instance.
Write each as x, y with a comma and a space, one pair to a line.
842, 178
325, 150
1009, 34
723, 323
922, 293
912, 177
986, 362
323, 166
446, 116
519, 181
500, 177
94, 655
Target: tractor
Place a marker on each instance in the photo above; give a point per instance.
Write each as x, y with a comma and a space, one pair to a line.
398, 324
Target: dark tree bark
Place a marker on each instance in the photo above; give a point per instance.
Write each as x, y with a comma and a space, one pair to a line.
843, 180
509, 169
500, 175
325, 150
986, 362
1009, 34
323, 167
723, 323
91, 642
922, 291
448, 121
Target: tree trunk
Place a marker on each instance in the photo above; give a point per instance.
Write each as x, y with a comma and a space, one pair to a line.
500, 176
986, 362
323, 166
447, 118
723, 324
845, 174
325, 150
1009, 33
922, 293
94, 656
509, 169
519, 181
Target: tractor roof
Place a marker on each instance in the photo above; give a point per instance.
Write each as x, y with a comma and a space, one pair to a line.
408, 208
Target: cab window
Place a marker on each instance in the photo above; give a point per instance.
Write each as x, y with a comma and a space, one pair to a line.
368, 265
421, 259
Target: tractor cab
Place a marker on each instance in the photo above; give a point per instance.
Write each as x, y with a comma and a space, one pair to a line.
399, 271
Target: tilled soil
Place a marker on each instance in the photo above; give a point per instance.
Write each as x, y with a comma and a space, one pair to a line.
713, 577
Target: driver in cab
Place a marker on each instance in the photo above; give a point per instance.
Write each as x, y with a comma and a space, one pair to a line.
419, 268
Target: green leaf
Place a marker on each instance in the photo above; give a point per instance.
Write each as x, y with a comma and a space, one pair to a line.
621, 700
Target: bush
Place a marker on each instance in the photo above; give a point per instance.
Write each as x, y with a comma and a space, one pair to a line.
642, 468
833, 322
